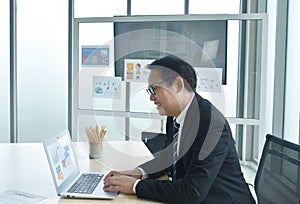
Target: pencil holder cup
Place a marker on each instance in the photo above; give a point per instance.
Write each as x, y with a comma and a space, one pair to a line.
96, 149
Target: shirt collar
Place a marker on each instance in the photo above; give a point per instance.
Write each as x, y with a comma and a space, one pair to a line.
181, 116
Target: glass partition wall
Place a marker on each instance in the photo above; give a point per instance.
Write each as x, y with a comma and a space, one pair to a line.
102, 96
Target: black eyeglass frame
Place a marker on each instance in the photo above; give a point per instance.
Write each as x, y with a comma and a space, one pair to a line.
151, 88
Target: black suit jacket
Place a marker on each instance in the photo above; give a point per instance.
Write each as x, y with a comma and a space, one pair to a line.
208, 169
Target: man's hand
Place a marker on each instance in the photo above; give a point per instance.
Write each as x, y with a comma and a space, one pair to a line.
135, 173
121, 183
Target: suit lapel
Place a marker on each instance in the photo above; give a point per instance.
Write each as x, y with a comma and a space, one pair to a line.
190, 127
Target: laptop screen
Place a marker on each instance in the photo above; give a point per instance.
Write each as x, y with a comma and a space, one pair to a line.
62, 160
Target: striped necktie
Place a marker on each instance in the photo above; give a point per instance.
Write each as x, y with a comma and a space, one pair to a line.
175, 142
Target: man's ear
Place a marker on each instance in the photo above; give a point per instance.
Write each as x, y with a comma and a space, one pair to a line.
179, 84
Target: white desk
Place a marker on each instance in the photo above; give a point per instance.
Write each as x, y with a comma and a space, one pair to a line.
24, 167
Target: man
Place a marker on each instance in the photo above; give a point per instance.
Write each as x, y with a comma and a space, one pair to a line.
200, 152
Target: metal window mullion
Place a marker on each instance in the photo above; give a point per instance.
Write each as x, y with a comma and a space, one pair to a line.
127, 109
155, 18
263, 84
241, 80
13, 73
127, 92
186, 7
245, 96
75, 82
128, 7
280, 68
70, 67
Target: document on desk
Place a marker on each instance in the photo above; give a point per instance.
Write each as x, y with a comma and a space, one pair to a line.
19, 197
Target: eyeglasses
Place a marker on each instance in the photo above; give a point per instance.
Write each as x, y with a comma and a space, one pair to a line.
151, 88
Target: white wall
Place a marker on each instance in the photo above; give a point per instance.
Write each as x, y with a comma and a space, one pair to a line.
292, 98
4, 71
42, 34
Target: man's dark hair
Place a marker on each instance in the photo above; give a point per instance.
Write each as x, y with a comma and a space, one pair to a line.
172, 66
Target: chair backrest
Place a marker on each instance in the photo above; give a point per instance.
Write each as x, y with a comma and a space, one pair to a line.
154, 141
277, 179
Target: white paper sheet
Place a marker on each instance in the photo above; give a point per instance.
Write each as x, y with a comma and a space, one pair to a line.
19, 197
209, 79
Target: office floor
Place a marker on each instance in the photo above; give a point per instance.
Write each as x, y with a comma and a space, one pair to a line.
249, 174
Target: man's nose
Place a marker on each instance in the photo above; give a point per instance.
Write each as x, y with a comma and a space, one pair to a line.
152, 97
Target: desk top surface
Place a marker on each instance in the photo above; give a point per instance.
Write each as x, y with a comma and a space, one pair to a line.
24, 167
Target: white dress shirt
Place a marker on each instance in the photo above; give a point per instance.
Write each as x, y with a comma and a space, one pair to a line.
180, 119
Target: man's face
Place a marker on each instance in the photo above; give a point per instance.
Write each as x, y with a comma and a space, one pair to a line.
165, 96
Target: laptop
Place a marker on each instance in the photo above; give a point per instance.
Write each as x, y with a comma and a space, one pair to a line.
68, 180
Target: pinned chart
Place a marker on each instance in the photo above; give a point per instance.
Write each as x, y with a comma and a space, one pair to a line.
106, 87
209, 79
137, 69
95, 55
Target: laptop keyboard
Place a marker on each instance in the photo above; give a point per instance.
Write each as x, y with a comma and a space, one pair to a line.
86, 183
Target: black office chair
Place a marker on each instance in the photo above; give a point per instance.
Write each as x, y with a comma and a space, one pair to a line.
277, 179
154, 141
